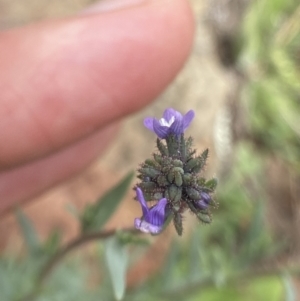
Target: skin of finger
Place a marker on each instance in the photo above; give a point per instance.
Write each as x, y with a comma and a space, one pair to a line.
63, 80
21, 183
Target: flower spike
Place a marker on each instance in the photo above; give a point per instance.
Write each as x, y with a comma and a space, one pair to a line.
172, 177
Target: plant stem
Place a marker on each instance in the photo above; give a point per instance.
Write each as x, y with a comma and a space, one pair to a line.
61, 253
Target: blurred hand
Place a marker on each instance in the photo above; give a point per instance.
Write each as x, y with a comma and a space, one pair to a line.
65, 83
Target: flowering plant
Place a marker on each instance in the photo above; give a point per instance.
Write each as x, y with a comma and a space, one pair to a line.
172, 178
170, 182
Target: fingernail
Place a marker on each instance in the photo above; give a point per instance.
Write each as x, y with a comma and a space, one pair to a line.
110, 5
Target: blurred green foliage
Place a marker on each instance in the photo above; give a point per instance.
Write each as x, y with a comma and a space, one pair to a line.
270, 60
222, 260
231, 259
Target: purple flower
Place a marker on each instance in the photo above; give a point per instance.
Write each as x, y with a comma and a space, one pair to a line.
172, 123
153, 218
204, 201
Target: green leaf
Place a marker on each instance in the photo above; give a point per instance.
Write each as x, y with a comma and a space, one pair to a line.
96, 215
29, 234
52, 243
116, 256
211, 184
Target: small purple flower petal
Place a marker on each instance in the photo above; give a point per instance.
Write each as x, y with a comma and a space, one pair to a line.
168, 114
177, 126
205, 197
145, 227
201, 205
153, 218
161, 131
187, 119
148, 123
204, 201
156, 214
141, 199
172, 123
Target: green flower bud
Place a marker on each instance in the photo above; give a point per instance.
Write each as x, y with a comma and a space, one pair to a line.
149, 171
201, 181
187, 179
171, 176
162, 181
192, 163
147, 185
162, 148
151, 163
178, 163
178, 178
158, 158
173, 145
165, 169
157, 196
205, 218
193, 193
178, 223
174, 193
178, 169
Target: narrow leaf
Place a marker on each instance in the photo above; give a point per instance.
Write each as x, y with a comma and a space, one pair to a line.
29, 234
53, 241
116, 256
211, 184
96, 215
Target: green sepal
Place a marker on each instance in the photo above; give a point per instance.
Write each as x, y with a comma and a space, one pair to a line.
148, 196
178, 169
147, 185
162, 148
158, 158
171, 176
203, 217
151, 163
191, 164
184, 149
193, 193
157, 196
149, 172
175, 193
178, 178
189, 142
201, 181
173, 145
204, 155
201, 161
177, 220
187, 179
162, 181
178, 163
188, 147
